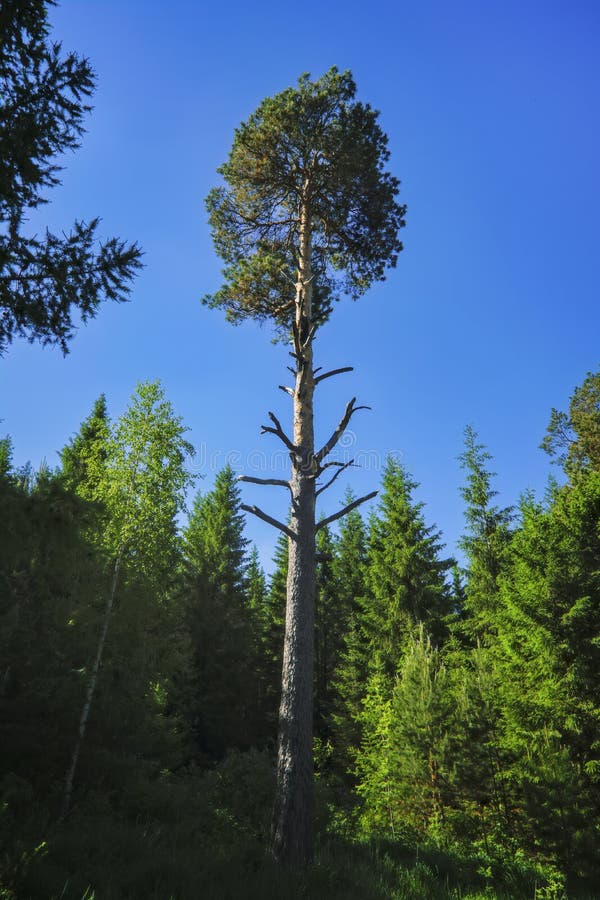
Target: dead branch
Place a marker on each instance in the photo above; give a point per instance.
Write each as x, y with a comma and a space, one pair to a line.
286, 389
340, 469
333, 372
349, 412
278, 430
310, 336
280, 482
269, 520
345, 510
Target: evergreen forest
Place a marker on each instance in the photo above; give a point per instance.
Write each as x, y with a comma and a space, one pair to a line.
447, 740
456, 705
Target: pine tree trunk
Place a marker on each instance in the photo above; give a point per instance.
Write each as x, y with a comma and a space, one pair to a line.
85, 712
292, 837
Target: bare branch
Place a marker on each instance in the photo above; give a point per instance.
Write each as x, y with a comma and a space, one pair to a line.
345, 510
278, 430
334, 372
297, 343
286, 389
293, 371
349, 412
280, 482
269, 520
318, 369
340, 469
310, 335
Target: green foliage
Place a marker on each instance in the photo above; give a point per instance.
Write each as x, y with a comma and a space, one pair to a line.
405, 762
256, 587
452, 761
548, 664
227, 692
330, 626
83, 460
276, 614
45, 282
574, 438
144, 481
349, 567
214, 542
315, 145
405, 576
486, 539
50, 578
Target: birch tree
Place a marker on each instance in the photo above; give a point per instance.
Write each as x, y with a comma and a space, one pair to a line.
307, 213
139, 479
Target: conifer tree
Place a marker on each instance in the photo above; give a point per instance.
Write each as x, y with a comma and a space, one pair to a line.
274, 625
214, 541
226, 704
307, 213
329, 628
405, 762
46, 283
83, 460
256, 586
406, 578
405, 588
50, 578
574, 438
486, 539
349, 571
548, 663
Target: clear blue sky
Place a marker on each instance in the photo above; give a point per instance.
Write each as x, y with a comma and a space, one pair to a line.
492, 316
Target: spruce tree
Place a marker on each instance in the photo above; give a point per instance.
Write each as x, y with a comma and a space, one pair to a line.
405, 764
349, 570
329, 629
225, 705
46, 283
548, 663
83, 460
256, 586
51, 576
405, 576
485, 541
214, 541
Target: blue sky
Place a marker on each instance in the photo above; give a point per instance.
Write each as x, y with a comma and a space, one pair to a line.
492, 315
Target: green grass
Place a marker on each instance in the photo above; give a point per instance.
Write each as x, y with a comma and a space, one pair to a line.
204, 837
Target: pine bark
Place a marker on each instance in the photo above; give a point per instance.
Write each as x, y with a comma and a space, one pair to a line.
292, 835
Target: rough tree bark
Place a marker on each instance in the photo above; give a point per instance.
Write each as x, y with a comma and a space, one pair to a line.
293, 811
292, 827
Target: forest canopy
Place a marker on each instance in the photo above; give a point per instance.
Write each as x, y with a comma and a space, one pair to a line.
456, 702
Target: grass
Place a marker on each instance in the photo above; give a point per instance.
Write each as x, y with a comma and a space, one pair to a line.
204, 837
